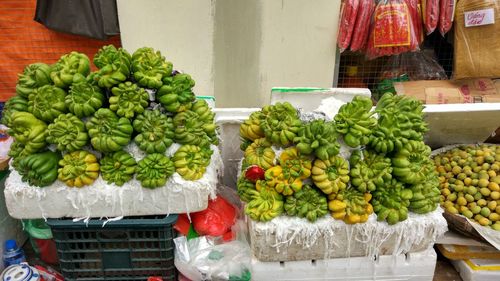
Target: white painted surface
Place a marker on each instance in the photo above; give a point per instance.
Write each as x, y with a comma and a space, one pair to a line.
237, 50
298, 44
182, 30
237, 47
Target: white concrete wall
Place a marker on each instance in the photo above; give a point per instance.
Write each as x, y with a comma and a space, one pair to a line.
238, 50
298, 44
238, 40
183, 30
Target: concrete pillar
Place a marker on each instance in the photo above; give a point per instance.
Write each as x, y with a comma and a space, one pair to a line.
238, 50
182, 30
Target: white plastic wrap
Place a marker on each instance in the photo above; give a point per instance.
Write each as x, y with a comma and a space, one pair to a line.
5, 144
108, 200
208, 258
330, 106
291, 238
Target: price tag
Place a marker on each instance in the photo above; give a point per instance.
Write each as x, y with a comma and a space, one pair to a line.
479, 17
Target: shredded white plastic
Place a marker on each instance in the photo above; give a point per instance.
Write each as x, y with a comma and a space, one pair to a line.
283, 235
330, 106
310, 116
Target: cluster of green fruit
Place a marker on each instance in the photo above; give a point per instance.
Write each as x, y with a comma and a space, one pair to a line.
389, 171
469, 177
130, 97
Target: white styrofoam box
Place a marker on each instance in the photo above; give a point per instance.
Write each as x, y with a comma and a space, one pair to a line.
309, 99
418, 266
460, 123
108, 200
228, 120
476, 122
209, 99
10, 228
293, 239
478, 269
454, 238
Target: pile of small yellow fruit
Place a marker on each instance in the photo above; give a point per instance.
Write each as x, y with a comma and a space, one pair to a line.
469, 178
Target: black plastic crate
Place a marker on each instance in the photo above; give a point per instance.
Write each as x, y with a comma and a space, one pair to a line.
133, 248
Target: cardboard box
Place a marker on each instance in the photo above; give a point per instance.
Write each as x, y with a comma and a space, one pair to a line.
497, 84
443, 95
479, 90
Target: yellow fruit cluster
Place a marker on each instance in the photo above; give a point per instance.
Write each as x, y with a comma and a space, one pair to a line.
469, 178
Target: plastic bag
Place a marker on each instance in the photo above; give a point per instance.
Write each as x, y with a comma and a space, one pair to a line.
216, 220
446, 14
431, 17
41, 240
230, 195
416, 65
477, 40
347, 22
392, 29
362, 27
5, 142
417, 21
205, 258
37, 228
184, 226
408, 66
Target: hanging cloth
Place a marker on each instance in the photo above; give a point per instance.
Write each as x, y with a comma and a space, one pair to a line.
96, 19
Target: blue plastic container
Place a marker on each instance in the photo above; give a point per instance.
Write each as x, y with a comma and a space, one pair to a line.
12, 254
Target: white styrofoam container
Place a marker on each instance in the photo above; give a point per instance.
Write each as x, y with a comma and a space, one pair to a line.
478, 269
309, 99
101, 199
460, 123
209, 99
477, 122
294, 239
417, 266
228, 120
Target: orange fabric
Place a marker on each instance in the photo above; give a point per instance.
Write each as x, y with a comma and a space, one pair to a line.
24, 41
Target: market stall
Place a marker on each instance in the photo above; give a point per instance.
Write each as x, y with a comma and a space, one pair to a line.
121, 169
